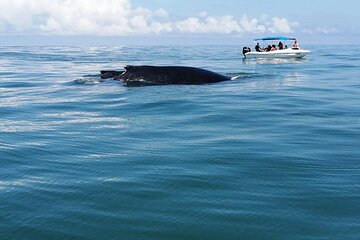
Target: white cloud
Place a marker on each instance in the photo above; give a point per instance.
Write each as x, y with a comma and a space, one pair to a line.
251, 25
224, 24
119, 18
327, 30
281, 25
162, 13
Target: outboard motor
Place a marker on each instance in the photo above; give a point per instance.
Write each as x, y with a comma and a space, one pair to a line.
246, 50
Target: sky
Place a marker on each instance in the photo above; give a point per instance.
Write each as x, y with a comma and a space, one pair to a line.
82, 22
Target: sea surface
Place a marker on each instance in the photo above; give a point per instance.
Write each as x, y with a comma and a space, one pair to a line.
272, 154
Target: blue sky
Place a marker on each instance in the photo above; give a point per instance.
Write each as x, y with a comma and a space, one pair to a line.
36, 22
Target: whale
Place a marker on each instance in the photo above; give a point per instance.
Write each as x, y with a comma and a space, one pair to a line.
163, 75
106, 74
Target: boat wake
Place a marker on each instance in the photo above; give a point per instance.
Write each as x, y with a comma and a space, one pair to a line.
253, 61
89, 80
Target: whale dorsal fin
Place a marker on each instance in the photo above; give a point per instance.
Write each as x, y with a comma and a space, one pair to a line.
128, 67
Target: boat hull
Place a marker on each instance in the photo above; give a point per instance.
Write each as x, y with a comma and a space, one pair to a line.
287, 53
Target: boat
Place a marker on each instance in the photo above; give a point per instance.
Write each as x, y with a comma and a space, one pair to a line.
278, 52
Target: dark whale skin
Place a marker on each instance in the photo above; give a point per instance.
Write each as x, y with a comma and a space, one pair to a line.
162, 75
106, 74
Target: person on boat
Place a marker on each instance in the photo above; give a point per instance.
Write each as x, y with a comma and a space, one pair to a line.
258, 48
273, 48
281, 46
286, 47
268, 49
295, 45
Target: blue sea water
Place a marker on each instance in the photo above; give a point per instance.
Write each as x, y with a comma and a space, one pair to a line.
273, 154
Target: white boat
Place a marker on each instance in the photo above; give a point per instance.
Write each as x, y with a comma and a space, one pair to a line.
292, 52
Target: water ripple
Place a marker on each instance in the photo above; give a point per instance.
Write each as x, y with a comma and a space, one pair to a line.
252, 158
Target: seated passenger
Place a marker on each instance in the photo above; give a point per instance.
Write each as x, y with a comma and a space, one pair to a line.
295, 45
273, 47
268, 49
258, 48
286, 47
281, 46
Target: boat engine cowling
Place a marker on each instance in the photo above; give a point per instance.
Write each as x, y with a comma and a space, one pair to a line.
246, 50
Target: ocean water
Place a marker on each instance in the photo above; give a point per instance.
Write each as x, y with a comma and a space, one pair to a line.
273, 154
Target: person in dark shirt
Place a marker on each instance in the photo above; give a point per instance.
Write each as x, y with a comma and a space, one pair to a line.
281, 46
258, 48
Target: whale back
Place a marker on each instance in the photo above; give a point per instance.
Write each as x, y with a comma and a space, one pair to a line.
155, 75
